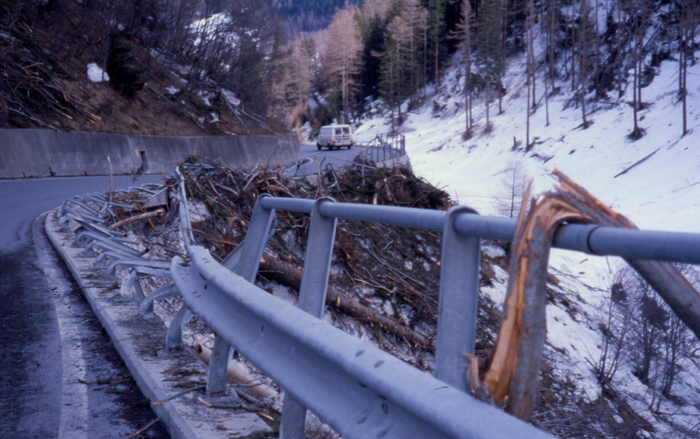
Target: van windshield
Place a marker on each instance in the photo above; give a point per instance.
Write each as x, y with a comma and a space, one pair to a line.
346, 130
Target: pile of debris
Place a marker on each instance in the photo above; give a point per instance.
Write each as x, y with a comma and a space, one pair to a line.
385, 278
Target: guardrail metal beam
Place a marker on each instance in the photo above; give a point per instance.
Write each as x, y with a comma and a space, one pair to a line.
252, 250
359, 390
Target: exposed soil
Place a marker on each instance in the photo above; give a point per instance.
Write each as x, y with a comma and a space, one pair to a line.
45, 83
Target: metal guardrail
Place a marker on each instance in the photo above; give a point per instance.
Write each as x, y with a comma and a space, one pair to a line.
316, 355
359, 390
385, 147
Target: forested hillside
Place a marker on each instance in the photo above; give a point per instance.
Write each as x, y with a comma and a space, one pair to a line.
171, 67
590, 50
309, 15
231, 61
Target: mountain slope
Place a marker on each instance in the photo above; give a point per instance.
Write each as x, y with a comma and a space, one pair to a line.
46, 49
655, 181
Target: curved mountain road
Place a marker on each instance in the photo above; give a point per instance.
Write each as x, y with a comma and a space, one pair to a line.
61, 376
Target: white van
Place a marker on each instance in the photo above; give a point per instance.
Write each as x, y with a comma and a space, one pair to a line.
334, 136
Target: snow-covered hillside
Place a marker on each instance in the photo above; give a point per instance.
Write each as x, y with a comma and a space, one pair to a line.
654, 181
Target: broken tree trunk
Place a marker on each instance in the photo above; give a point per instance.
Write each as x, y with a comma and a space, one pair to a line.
664, 277
515, 364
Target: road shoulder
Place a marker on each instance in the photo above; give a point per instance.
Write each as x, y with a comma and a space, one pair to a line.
141, 344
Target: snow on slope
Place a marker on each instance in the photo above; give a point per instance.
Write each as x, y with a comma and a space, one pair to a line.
661, 193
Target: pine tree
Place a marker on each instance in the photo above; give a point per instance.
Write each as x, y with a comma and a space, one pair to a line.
124, 76
416, 21
583, 64
392, 83
463, 34
488, 56
530, 82
437, 35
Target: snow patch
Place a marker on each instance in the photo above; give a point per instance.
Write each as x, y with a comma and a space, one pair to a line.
231, 98
493, 251
96, 74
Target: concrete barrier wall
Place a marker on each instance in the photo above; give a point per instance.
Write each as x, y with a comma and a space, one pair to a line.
35, 153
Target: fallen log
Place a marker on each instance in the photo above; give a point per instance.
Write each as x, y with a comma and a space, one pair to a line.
154, 214
237, 374
289, 275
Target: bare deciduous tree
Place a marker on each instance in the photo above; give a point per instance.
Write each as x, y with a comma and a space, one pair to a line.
512, 188
343, 55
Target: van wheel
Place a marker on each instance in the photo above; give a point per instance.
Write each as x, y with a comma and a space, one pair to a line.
318, 145
350, 146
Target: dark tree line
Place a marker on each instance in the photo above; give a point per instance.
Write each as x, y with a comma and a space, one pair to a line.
309, 15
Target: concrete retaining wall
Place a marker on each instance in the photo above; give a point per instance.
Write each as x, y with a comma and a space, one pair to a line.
35, 153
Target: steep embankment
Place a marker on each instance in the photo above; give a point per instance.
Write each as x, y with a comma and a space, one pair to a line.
655, 181
52, 55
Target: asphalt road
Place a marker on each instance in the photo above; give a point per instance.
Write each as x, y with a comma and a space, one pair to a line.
336, 157
47, 332
60, 376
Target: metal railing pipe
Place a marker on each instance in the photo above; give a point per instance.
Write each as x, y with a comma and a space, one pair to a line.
646, 244
293, 204
397, 216
487, 227
594, 239
392, 215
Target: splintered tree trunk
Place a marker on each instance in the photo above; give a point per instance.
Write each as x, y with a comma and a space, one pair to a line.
515, 364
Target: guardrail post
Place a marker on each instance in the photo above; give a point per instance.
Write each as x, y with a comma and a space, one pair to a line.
251, 252
312, 299
459, 292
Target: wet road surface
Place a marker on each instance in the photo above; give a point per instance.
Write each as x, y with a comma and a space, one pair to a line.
61, 376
